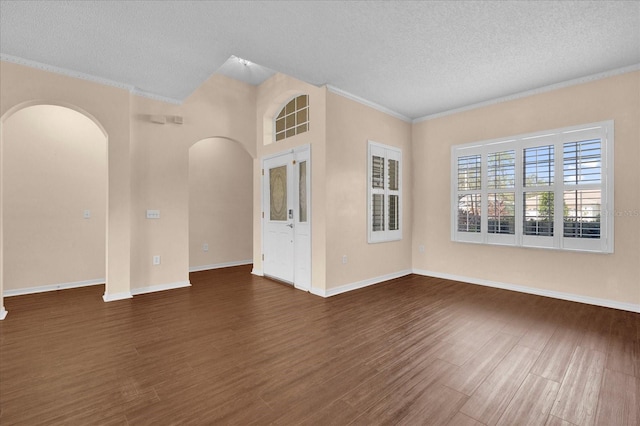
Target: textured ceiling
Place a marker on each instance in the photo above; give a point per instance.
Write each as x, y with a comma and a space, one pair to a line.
414, 58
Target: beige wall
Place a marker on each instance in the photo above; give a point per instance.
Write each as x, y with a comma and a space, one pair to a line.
220, 203
108, 107
614, 277
350, 125
55, 167
148, 163
148, 168
221, 107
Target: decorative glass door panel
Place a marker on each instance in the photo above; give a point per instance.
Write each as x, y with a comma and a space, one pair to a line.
278, 193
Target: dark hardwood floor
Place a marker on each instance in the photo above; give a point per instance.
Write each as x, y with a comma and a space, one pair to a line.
239, 349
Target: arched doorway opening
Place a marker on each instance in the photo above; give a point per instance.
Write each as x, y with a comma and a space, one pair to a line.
54, 199
220, 204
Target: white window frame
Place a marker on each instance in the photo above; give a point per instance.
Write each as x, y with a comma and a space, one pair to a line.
294, 114
388, 153
557, 138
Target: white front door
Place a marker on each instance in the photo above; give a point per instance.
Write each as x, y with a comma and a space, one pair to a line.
286, 223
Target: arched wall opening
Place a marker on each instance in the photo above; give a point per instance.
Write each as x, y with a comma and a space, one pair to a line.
220, 204
54, 198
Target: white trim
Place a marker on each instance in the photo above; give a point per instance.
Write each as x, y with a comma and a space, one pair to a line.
257, 272
160, 287
3, 313
359, 284
386, 152
87, 77
317, 291
52, 287
607, 303
365, 102
117, 296
557, 139
531, 92
137, 92
220, 265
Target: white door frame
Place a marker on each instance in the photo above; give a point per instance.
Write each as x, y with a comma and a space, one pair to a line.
301, 229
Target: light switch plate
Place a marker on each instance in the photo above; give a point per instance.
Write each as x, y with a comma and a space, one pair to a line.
153, 214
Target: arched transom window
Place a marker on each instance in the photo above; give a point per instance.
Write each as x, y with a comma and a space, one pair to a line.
293, 119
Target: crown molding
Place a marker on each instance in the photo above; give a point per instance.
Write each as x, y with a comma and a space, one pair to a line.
87, 77
365, 102
532, 92
137, 92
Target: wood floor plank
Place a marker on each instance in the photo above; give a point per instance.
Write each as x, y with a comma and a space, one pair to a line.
491, 398
597, 329
532, 403
618, 402
235, 348
337, 413
578, 395
557, 353
463, 420
468, 377
436, 406
554, 421
622, 355
406, 401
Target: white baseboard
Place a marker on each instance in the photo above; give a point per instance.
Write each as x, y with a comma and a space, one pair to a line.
537, 291
52, 287
3, 313
360, 284
317, 291
220, 265
117, 296
257, 272
160, 287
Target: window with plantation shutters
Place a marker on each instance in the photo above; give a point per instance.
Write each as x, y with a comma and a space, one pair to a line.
551, 189
384, 193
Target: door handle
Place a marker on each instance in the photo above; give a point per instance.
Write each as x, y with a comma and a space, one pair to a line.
290, 225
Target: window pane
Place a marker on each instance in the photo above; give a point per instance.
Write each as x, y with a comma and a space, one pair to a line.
502, 213
278, 193
582, 162
301, 116
469, 173
378, 212
302, 192
279, 136
469, 213
290, 132
280, 125
291, 121
291, 106
393, 174
501, 170
582, 211
302, 128
538, 213
538, 166
377, 172
302, 101
394, 213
